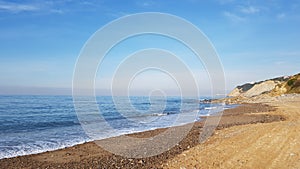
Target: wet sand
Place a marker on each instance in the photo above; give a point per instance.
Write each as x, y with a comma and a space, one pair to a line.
90, 155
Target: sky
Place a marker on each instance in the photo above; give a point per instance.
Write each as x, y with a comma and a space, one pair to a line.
41, 41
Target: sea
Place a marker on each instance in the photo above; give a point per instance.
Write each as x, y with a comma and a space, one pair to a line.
31, 124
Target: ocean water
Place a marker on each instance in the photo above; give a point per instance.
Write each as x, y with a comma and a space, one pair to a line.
34, 124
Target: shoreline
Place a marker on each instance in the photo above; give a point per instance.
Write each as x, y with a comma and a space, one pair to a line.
89, 154
202, 117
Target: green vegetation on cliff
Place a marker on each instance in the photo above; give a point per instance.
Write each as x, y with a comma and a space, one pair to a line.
272, 87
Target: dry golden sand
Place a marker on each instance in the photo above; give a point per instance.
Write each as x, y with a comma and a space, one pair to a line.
261, 145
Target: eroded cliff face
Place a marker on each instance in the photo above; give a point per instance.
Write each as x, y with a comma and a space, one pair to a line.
271, 87
239, 90
261, 88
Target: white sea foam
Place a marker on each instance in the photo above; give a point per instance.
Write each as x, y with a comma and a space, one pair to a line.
14, 151
35, 124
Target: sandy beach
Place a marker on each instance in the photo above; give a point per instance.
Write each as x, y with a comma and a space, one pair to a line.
245, 135
261, 145
145, 84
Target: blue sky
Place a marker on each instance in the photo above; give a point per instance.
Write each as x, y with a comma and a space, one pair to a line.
41, 40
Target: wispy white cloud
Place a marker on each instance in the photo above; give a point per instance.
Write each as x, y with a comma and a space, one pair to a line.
87, 3
233, 17
289, 54
146, 3
249, 9
57, 11
49, 6
279, 62
15, 7
281, 16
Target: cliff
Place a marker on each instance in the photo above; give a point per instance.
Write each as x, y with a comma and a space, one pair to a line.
270, 87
